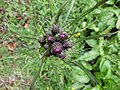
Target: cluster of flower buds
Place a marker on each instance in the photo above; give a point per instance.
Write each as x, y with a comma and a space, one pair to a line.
55, 40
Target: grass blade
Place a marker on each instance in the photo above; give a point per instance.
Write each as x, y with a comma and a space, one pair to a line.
93, 79
71, 6
86, 12
60, 12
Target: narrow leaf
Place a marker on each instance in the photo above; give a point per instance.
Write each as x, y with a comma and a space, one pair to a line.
86, 12
60, 12
86, 71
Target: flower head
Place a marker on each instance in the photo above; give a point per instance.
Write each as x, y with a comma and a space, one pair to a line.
50, 39
55, 41
67, 44
57, 47
55, 29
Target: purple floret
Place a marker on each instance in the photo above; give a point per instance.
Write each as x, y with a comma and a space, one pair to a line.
51, 39
57, 47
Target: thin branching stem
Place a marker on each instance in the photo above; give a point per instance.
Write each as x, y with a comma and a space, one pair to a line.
93, 79
39, 70
28, 37
97, 36
71, 63
60, 12
85, 13
70, 9
38, 73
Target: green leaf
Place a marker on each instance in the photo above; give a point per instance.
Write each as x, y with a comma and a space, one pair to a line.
118, 23
106, 69
93, 79
88, 56
96, 88
111, 2
118, 35
93, 27
83, 79
91, 42
86, 12
87, 65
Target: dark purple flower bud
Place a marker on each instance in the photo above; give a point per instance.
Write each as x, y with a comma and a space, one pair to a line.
55, 29
50, 39
42, 40
63, 36
57, 47
67, 44
62, 55
49, 33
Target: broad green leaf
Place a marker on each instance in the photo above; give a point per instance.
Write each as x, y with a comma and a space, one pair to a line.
87, 87
83, 79
110, 2
96, 88
93, 27
93, 79
90, 55
106, 69
87, 65
118, 23
91, 42
77, 85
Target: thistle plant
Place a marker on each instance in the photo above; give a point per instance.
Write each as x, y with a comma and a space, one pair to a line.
56, 42
67, 48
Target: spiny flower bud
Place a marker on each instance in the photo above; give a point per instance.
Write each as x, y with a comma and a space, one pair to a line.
57, 47
50, 39
62, 55
49, 33
63, 36
67, 44
42, 40
55, 29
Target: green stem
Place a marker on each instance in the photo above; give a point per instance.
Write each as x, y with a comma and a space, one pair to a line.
93, 79
85, 13
38, 73
70, 9
97, 36
28, 37
60, 12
